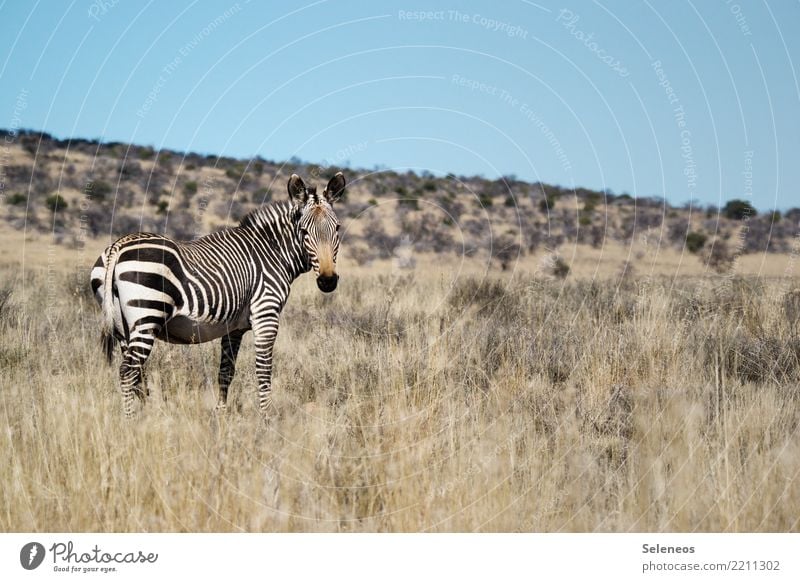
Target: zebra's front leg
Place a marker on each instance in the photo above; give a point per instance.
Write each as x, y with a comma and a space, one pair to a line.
227, 365
265, 330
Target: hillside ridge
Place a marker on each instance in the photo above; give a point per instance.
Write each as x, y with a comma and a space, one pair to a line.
78, 188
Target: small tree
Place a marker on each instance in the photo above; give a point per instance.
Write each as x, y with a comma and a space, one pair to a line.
738, 209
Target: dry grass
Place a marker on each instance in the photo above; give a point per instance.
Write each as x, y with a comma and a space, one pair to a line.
418, 400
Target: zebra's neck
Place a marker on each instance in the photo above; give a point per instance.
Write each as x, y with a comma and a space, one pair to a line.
276, 226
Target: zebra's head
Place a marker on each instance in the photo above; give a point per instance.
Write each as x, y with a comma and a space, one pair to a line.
319, 227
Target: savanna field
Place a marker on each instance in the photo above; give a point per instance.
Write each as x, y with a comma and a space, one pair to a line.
633, 393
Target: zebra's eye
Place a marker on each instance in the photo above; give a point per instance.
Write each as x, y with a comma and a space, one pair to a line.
338, 226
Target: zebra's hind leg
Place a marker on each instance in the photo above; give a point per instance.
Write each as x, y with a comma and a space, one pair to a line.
131, 371
123, 347
227, 365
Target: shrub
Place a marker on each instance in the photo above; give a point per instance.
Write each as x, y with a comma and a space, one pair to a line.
753, 357
506, 249
738, 209
29, 145
411, 200
128, 169
695, 241
555, 266
190, 188
17, 199
485, 200
560, 268
597, 235
235, 172
678, 231
379, 241
484, 293
101, 189
146, 153
547, 204
56, 203
719, 257
429, 185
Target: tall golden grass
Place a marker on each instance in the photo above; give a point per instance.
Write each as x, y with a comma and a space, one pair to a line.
419, 400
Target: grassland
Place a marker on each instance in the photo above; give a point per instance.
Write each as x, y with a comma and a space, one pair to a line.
440, 398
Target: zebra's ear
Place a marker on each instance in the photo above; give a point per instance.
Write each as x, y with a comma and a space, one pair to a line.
335, 188
297, 190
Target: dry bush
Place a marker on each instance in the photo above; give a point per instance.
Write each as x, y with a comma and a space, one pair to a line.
554, 266
719, 257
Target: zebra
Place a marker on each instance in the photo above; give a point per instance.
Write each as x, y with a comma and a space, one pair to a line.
219, 286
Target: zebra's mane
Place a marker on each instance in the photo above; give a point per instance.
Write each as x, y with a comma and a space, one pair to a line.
267, 214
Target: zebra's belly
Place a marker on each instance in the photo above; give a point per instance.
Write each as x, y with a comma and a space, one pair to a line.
183, 330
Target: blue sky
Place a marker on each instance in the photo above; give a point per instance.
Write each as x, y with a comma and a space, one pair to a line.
688, 100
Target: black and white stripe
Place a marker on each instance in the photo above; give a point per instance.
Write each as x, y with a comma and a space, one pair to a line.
219, 286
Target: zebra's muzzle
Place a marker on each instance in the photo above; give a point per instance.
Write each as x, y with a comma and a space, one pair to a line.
327, 284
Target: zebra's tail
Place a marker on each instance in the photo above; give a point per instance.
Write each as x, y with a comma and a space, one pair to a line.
107, 340
107, 329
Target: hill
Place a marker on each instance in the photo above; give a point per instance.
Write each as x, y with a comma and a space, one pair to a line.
78, 189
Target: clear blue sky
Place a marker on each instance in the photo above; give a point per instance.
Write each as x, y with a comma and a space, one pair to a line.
485, 88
